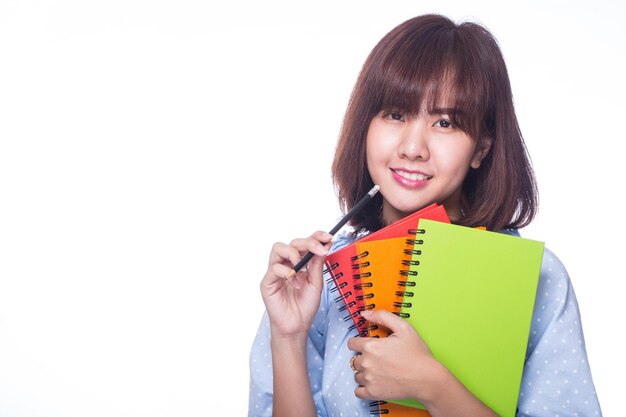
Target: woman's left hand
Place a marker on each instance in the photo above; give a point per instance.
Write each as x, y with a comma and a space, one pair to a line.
395, 367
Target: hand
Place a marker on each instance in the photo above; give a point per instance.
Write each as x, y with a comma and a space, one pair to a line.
395, 367
291, 302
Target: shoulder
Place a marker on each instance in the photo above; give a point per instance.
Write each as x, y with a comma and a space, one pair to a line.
553, 269
556, 309
554, 289
553, 272
343, 239
554, 279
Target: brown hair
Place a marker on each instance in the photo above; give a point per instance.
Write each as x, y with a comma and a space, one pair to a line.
411, 67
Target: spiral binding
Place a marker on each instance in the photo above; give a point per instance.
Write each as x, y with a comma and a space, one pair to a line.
340, 283
382, 407
360, 322
407, 272
413, 262
405, 291
415, 241
359, 263
338, 286
400, 304
375, 408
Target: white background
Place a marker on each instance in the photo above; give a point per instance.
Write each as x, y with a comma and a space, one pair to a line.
152, 151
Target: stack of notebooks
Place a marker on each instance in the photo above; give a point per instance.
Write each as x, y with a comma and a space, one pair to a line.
468, 292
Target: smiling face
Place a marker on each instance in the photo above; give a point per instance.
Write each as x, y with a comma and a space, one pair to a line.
419, 160
432, 68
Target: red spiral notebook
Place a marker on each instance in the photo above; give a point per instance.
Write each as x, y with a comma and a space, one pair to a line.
343, 267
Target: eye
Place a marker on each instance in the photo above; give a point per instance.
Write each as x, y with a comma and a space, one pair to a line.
393, 115
443, 123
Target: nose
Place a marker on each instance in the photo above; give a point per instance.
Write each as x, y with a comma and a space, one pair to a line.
414, 144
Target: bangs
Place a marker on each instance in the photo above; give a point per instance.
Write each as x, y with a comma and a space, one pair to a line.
438, 75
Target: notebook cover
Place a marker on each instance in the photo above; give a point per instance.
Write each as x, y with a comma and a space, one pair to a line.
472, 304
408, 225
346, 291
339, 264
383, 271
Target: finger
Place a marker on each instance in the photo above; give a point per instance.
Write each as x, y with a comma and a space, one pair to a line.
284, 254
274, 279
275, 273
315, 271
363, 393
315, 243
387, 319
356, 363
360, 379
322, 236
357, 344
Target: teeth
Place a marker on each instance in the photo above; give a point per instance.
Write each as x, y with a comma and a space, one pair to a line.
414, 176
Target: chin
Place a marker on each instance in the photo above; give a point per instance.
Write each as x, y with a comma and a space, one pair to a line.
412, 207
400, 211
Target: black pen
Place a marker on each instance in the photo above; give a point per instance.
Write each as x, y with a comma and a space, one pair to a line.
367, 197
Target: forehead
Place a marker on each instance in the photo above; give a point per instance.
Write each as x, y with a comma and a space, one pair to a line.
422, 96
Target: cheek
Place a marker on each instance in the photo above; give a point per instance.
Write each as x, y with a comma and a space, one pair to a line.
381, 144
378, 158
373, 160
453, 159
374, 149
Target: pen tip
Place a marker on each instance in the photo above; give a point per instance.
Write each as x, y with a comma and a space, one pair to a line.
374, 190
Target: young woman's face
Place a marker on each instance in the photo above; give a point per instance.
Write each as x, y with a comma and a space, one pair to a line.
419, 160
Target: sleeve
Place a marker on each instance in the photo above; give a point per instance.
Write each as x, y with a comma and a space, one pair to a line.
261, 377
557, 378
260, 391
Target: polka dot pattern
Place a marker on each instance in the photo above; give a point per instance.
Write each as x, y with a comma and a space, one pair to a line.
557, 377
556, 381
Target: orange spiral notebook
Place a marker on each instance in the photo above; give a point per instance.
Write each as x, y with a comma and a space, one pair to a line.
385, 269
342, 265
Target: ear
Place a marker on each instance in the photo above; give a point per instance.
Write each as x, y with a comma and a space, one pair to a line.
482, 149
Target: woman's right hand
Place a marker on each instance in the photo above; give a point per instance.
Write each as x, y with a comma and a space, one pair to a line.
291, 302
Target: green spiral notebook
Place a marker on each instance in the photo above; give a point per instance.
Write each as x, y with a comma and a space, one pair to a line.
471, 299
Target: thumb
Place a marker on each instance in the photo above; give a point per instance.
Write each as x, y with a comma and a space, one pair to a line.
387, 319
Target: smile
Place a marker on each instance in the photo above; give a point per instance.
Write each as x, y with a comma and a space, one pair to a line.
411, 176
410, 179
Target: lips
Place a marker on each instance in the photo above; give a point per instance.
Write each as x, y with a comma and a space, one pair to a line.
411, 179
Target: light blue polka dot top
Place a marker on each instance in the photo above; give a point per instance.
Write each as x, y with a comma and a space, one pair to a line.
556, 381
